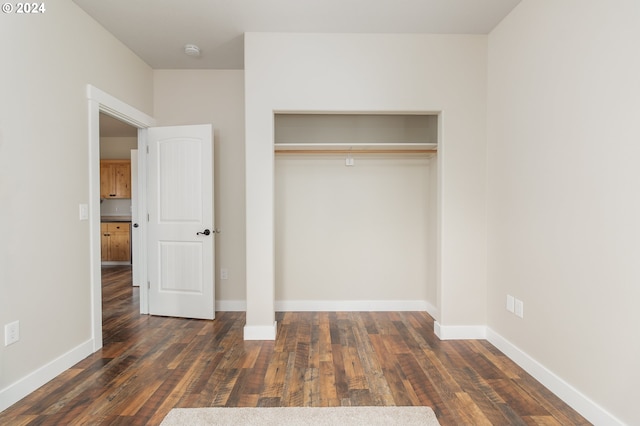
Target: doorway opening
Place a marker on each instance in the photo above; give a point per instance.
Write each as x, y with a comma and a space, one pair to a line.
107, 105
118, 230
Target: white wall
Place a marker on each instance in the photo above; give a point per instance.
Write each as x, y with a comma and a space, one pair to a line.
352, 238
48, 60
427, 73
213, 96
563, 229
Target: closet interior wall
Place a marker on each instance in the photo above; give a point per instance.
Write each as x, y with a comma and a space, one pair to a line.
355, 229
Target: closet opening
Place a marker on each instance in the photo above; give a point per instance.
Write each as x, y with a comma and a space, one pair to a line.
355, 212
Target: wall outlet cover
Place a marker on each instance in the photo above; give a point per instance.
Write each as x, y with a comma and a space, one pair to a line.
11, 333
510, 303
519, 308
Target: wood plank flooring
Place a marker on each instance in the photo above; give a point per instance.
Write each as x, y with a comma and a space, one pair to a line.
149, 365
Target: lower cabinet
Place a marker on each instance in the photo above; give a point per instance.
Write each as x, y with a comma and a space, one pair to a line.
116, 241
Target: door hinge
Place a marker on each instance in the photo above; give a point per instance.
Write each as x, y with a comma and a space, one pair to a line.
147, 149
149, 284
147, 217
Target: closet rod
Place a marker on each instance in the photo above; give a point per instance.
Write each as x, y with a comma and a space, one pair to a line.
356, 151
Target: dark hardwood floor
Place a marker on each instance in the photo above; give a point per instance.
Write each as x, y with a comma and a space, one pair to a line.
149, 365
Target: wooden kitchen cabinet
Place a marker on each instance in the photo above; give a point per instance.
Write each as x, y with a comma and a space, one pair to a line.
115, 241
115, 179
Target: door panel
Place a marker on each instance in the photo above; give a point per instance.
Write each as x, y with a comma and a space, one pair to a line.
180, 201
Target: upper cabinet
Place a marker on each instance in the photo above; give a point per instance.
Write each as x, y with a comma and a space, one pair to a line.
115, 179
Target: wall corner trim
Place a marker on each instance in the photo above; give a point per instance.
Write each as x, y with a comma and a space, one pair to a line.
24, 386
459, 332
573, 397
261, 332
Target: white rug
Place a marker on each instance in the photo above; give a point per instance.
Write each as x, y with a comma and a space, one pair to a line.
317, 416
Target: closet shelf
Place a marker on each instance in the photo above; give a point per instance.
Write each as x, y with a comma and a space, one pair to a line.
342, 148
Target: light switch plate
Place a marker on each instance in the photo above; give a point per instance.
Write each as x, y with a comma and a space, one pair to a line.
83, 211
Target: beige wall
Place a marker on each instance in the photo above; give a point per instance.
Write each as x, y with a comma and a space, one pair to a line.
216, 97
355, 235
44, 248
334, 72
563, 230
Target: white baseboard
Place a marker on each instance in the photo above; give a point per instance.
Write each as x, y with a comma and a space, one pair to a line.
570, 395
334, 306
432, 310
351, 305
459, 332
260, 332
23, 387
231, 305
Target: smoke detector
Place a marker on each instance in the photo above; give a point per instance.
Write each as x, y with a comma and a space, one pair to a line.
191, 50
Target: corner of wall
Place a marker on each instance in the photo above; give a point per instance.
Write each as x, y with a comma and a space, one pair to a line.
573, 397
23, 387
459, 332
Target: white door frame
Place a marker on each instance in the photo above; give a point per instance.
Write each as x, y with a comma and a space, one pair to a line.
100, 101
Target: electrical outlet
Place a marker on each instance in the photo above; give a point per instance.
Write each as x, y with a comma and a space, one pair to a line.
519, 311
224, 274
11, 333
510, 303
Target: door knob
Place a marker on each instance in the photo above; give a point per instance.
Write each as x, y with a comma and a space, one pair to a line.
205, 232
135, 225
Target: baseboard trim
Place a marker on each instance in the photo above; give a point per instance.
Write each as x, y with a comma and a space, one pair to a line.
260, 332
351, 305
23, 387
334, 306
460, 332
432, 310
570, 395
231, 305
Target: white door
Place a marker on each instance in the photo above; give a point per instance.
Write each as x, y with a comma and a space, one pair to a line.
135, 225
180, 223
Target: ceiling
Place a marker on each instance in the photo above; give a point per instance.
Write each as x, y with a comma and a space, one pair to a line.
157, 30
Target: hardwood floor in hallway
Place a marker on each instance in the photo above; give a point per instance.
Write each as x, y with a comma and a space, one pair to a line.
149, 365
